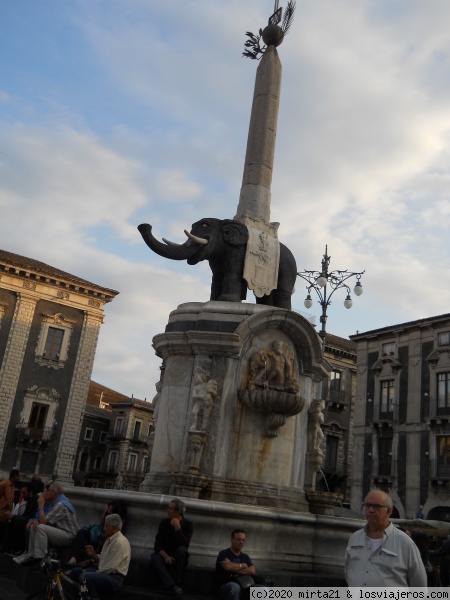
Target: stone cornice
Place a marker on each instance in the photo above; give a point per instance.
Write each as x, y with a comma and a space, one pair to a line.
23, 276
61, 293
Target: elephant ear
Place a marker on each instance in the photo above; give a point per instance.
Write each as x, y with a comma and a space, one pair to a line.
234, 233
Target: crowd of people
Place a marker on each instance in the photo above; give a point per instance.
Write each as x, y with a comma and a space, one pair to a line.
35, 516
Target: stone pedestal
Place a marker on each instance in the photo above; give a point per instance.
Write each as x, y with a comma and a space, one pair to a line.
233, 408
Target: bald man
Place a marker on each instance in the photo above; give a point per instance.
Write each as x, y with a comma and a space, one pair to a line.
380, 555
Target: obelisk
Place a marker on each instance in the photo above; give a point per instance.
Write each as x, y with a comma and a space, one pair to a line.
262, 258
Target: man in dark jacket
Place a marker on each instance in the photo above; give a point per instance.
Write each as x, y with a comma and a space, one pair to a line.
171, 547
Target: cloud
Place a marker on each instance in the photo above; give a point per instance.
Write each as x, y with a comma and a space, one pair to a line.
142, 116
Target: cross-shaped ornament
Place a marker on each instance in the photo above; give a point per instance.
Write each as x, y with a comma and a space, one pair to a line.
276, 17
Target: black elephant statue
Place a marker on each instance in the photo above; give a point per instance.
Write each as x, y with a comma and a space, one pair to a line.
223, 243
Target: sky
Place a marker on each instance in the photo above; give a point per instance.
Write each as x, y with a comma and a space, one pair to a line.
119, 112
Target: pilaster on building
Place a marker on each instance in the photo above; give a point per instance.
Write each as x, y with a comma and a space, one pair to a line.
49, 327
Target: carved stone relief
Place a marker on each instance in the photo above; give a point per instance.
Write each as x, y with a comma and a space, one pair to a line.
272, 384
440, 357
315, 433
387, 366
205, 390
204, 393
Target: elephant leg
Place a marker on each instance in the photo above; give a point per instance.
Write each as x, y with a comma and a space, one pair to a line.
282, 299
267, 300
234, 288
216, 285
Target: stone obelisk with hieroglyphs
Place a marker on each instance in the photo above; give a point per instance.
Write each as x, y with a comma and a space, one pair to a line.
263, 251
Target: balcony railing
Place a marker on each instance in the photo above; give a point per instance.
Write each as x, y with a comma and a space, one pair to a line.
118, 434
337, 400
443, 471
338, 396
26, 432
439, 410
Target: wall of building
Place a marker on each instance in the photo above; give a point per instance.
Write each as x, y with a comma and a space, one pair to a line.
401, 427
49, 326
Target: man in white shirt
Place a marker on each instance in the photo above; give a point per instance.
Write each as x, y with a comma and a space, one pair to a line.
380, 555
113, 562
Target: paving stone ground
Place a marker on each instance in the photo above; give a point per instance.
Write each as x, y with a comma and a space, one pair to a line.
9, 591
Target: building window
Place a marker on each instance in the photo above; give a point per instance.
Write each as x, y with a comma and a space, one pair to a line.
36, 426
385, 455
444, 338
331, 453
98, 463
102, 438
443, 403
113, 461
335, 381
387, 398
38, 416
132, 461
137, 430
118, 426
443, 456
336, 394
388, 348
84, 461
53, 342
145, 463
88, 434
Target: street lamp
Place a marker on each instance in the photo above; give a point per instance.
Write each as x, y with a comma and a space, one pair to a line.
322, 281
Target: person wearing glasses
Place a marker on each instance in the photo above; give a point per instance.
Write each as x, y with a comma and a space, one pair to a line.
379, 554
230, 563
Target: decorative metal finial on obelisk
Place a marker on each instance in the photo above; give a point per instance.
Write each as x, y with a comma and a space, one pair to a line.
262, 258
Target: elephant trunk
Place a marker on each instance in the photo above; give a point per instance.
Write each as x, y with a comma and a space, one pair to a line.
172, 251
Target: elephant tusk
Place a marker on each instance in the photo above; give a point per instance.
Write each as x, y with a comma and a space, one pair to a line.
169, 243
196, 239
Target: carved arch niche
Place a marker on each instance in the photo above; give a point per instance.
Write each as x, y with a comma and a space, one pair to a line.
270, 380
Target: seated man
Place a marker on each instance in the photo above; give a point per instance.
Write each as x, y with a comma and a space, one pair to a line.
113, 562
233, 562
57, 526
171, 547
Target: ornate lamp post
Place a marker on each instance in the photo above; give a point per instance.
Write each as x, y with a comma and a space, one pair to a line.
323, 281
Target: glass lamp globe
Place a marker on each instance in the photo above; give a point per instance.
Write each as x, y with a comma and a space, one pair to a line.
321, 281
358, 289
308, 301
348, 303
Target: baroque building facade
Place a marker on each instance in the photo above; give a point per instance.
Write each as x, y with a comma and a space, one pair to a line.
127, 450
113, 448
402, 417
49, 326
